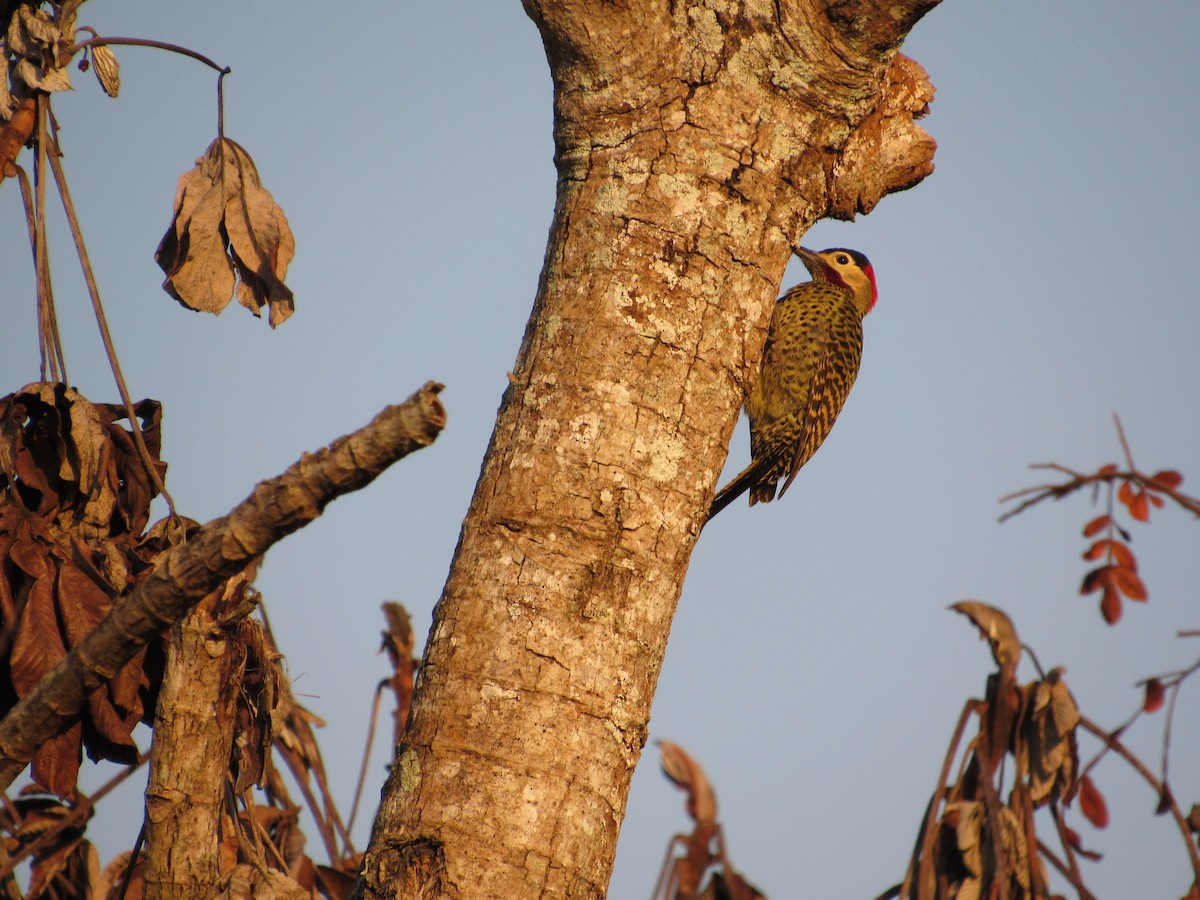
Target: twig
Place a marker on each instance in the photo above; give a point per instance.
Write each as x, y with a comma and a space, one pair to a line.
1124, 443
1074, 876
52, 367
1084, 893
328, 838
98, 41
94, 292
366, 757
1079, 481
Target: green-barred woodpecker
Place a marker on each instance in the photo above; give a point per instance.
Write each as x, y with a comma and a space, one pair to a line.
812, 354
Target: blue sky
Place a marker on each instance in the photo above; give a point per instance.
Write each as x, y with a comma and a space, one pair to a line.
1041, 280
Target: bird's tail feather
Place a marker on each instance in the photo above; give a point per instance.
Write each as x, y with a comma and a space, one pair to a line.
741, 483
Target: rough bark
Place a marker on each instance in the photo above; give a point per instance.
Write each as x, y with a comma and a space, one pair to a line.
695, 143
189, 762
219, 550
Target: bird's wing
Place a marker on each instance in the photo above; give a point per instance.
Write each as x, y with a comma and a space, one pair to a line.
832, 379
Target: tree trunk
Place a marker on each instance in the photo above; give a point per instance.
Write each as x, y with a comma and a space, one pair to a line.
189, 762
695, 143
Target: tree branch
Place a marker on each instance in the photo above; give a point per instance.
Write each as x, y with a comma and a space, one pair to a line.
220, 549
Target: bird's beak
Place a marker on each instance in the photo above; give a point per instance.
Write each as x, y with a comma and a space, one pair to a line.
812, 261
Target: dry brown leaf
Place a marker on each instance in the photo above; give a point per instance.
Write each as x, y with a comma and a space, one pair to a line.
1048, 745
688, 775
996, 627
107, 69
72, 507
227, 226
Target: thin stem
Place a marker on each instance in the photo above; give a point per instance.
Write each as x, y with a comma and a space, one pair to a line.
127, 877
1140, 767
1084, 893
366, 757
324, 826
47, 337
94, 292
1124, 443
921, 856
98, 41
221, 104
1074, 876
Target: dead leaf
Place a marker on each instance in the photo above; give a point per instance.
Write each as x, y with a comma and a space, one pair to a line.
688, 775
1048, 744
14, 134
107, 69
995, 625
1095, 526
227, 226
72, 508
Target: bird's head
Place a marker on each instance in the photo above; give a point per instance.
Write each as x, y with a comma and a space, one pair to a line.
845, 268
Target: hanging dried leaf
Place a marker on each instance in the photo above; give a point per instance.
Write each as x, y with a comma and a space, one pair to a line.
969, 821
259, 713
71, 512
1091, 803
688, 775
107, 69
64, 864
33, 37
1047, 746
1094, 527
227, 226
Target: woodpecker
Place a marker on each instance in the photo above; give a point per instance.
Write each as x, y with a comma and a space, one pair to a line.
812, 354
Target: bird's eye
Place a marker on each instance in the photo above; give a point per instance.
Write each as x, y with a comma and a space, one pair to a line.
842, 259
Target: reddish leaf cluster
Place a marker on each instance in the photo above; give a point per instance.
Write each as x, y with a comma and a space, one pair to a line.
1117, 575
74, 503
227, 233
1139, 498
